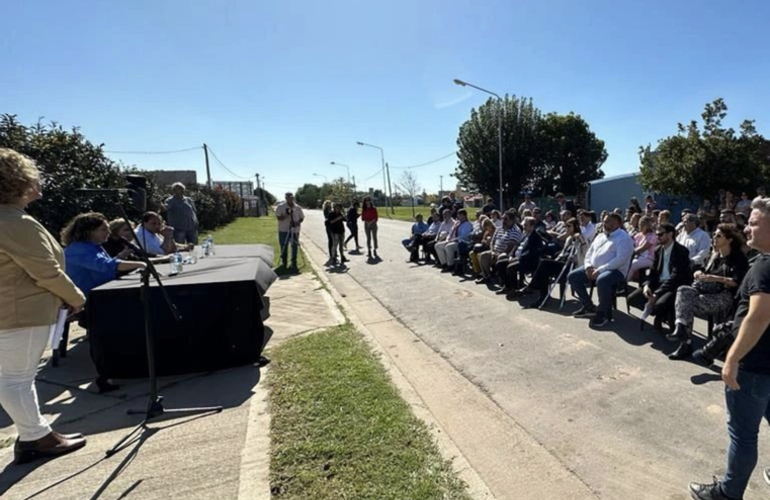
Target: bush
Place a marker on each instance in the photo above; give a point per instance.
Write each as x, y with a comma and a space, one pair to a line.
68, 161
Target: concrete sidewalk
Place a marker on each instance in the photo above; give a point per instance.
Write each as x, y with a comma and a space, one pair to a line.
223, 456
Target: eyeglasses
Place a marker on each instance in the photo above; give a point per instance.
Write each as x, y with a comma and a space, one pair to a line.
660, 234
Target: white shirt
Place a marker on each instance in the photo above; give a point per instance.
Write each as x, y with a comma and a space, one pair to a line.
611, 252
284, 226
148, 241
665, 273
445, 228
527, 205
588, 231
698, 243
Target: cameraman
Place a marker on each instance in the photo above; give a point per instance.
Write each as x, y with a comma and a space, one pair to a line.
290, 217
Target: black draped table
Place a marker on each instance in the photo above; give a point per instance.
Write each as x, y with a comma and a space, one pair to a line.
222, 304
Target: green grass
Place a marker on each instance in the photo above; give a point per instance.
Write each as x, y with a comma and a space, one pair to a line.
251, 230
340, 429
404, 213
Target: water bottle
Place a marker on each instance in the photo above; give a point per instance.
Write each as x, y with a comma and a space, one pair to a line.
176, 263
210, 239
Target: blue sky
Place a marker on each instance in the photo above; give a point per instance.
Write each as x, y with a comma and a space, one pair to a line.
283, 87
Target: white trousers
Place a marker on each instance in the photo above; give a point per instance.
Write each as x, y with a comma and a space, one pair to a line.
441, 252
20, 352
638, 264
452, 252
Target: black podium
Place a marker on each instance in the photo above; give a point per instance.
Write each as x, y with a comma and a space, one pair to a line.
220, 302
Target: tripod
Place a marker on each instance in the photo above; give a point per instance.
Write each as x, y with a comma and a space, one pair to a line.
293, 237
155, 406
565, 270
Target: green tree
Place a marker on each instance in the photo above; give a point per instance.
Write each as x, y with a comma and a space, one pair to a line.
478, 149
703, 158
309, 196
571, 155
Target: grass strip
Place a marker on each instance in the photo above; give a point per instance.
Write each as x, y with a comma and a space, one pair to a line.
251, 230
340, 430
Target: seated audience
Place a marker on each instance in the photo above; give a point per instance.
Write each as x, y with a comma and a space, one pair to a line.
634, 203
744, 205
714, 288
644, 247
588, 226
632, 227
418, 228
488, 232
427, 237
573, 253
726, 201
497, 218
550, 220
523, 260
528, 204
696, 240
504, 241
670, 270
149, 232
443, 232
119, 244
664, 217
708, 215
450, 250
87, 263
606, 264
727, 216
487, 209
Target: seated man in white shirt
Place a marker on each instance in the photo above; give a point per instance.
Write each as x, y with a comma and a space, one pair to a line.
149, 233
696, 240
606, 263
587, 227
448, 250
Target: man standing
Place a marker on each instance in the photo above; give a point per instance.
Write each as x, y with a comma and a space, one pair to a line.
181, 215
290, 218
489, 207
696, 240
746, 371
607, 262
528, 204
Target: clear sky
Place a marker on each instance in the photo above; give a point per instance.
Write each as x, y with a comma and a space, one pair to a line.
283, 87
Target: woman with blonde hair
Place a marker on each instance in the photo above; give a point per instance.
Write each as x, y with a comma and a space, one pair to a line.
33, 287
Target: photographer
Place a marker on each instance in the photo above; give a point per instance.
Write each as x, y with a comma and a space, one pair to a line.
290, 217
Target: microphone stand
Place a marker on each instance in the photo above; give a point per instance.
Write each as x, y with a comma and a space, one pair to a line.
155, 406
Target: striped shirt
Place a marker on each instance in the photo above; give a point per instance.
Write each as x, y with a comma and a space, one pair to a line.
504, 238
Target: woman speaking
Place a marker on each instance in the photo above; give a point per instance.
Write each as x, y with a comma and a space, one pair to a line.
33, 286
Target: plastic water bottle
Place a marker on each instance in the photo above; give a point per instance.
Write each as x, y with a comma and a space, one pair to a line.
176, 263
210, 239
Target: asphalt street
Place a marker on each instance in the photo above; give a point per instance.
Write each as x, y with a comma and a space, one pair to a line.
607, 403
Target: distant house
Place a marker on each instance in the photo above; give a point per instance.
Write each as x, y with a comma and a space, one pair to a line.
166, 178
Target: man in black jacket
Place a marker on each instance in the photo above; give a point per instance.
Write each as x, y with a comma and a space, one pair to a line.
524, 260
670, 270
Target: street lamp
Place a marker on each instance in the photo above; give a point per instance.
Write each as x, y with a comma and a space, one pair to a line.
347, 167
321, 175
384, 169
499, 131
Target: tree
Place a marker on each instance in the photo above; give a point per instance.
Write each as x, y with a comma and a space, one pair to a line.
700, 160
478, 167
570, 154
309, 196
408, 183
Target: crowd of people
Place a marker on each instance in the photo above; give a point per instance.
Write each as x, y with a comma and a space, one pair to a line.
702, 267
40, 274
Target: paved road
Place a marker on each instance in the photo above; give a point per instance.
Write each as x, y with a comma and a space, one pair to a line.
608, 404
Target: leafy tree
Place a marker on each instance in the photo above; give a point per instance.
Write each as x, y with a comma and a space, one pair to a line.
478, 150
571, 154
702, 159
309, 196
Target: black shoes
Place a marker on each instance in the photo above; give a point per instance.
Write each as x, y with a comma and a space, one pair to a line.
680, 334
585, 312
683, 351
599, 320
711, 491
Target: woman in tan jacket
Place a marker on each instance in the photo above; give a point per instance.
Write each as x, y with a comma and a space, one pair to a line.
33, 286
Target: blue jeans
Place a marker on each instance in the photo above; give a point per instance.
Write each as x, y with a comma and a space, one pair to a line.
182, 236
283, 238
606, 284
745, 409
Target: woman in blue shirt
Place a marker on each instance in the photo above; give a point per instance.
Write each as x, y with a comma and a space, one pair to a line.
87, 263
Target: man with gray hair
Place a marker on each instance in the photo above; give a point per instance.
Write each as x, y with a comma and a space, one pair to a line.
181, 215
696, 240
746, 371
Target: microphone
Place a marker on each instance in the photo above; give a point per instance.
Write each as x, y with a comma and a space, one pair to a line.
101, 191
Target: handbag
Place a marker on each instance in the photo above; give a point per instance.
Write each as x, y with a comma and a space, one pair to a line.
709, 288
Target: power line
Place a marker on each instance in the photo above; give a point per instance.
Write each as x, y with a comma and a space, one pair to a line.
430, 162
153, 152
372, 176
224, 167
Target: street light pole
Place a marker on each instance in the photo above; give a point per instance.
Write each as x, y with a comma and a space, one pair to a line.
321, 175
347, 167
384, 168
499, 131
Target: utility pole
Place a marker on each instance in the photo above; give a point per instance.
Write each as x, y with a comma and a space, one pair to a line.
390, 191
355, 194
208, 170
259, 198
441, 186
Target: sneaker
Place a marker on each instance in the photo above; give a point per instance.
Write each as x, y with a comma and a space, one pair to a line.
766, 475
711, 491
585, 312
599, 321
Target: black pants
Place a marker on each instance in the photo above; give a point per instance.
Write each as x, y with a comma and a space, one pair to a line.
353, 227
663, 308
329, 241
430, 248
513, 277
